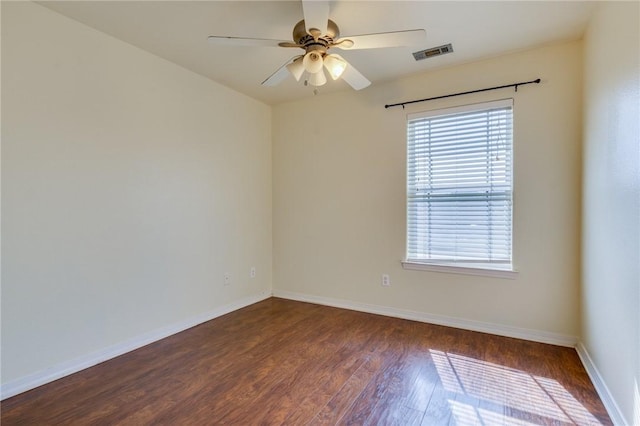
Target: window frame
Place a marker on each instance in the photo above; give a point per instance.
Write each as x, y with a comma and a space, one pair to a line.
499, 270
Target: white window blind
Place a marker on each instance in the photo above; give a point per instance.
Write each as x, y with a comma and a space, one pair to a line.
459, 183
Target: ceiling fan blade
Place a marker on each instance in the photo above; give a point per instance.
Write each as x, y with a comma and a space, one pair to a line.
290, 44
279, 76
353, 77
316, 15
244, 41
378, 40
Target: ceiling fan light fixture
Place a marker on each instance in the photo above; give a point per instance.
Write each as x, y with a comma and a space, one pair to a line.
296, 68
315, 34
312, 62
335, 65
317, 79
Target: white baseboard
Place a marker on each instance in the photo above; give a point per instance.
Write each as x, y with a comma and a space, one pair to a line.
500, 330
66, 368
601, 387
34, 380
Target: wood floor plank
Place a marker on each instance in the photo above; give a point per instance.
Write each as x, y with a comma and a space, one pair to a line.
286, 362
341, 401
438, 410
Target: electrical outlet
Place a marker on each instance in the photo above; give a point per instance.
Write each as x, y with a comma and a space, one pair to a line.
227, 278
252, 274
386, 282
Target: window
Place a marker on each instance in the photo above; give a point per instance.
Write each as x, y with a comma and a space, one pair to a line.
459, 186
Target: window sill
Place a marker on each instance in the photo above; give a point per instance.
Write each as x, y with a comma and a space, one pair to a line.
460, 269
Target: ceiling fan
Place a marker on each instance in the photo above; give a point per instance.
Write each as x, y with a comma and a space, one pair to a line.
316, 34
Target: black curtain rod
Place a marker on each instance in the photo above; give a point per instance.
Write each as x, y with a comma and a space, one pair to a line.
465, 93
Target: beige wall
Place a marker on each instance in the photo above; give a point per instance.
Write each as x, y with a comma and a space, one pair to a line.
129, 187
611, 228
339, 195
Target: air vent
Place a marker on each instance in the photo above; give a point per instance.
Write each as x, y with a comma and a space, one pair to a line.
434, 51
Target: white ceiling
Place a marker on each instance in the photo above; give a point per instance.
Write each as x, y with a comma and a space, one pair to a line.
178, 30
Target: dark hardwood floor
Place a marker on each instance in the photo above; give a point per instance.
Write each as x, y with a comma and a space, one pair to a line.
285, 362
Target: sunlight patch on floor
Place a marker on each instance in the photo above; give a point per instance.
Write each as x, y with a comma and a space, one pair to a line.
538, 397
468, 415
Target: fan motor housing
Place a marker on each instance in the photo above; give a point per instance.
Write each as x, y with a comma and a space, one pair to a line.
302, 37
